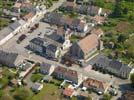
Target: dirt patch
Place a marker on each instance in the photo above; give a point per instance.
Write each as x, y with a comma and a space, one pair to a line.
123, 27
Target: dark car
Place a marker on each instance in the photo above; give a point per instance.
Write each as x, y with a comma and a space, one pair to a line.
21, 38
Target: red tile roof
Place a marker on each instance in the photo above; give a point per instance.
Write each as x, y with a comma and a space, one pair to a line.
128, 96
95, 83
68, 92
98, 32
28, 16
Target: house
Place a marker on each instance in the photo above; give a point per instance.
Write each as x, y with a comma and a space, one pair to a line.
53, 18
66, 21
59, 72
85, 47
24, 65
82, 9
45, 46
29, 16
96, 85
78, 25
9, 31
16, 7
13, 82
68, 92
37, 87
47, 78
112, 66
52, 51
83, 95
67, 6
46, 68
56, 37
61, 39
63, 73
71, 75
10, 59
97, 31
127, 96
38, 45
94, 10
98, 19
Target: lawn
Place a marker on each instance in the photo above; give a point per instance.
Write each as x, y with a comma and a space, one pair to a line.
4, 22
49, 92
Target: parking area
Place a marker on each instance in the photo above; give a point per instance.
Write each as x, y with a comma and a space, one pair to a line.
20, 48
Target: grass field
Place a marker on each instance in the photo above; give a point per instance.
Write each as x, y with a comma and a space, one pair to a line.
49, 92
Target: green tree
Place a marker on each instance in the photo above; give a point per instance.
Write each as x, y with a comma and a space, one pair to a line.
36, 77
117, 9
89, 98
132, 78
6, 97
107, 97
22, 94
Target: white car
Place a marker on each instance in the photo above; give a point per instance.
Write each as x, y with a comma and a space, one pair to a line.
84, 89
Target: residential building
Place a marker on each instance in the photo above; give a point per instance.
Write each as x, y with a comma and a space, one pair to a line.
82, 9
38, 45
68, 92
96, 85
98, 31
68, 6
59, 72
53, 18
112, 66
45, 46
127, 96
46, 68
98, 20
63, 73
67, 22
85, 47
10, 59
29, 16
52, 51
13, 82
94, 10
47, 78
9, 31
37, 87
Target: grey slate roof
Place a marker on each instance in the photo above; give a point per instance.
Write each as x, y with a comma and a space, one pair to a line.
56, 37
5, 32
39, 41
36, 86
14, 25
52, 48
8, 59
45, 66
114, 66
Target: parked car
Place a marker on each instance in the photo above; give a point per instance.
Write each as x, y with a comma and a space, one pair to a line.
21, 38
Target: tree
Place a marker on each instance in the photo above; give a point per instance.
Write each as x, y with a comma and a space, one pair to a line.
132, 78
22, 94
89, 98
107, 97
122, 37
36, 77
6, 97
117, 9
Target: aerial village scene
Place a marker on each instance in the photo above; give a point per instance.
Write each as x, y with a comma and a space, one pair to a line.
66, 49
